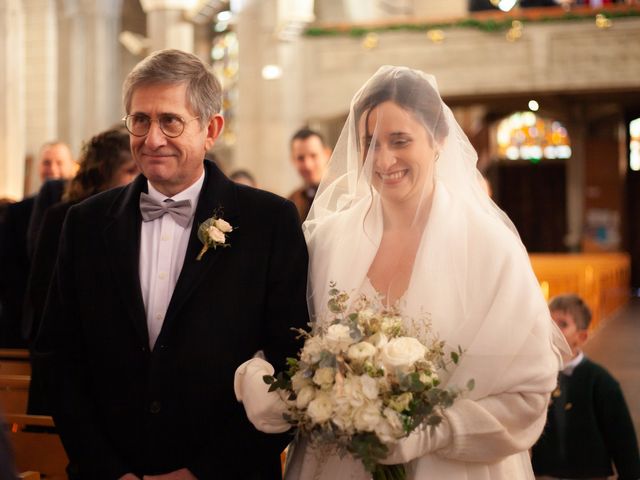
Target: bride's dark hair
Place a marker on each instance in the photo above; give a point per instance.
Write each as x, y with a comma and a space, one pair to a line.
409, 90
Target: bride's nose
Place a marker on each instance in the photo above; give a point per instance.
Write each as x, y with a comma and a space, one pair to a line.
384, 159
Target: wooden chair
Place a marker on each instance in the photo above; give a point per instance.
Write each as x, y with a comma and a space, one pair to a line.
40, 453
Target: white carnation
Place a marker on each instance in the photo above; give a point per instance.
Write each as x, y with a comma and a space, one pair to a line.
367, 417
369, 387
389, 429
353, 392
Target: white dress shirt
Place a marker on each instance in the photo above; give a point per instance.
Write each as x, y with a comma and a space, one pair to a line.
163, 245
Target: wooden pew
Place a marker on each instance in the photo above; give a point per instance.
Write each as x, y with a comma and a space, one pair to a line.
601, 279
14, 361
40, 453
14, 393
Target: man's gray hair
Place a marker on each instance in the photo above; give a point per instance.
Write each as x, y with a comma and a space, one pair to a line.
204, 94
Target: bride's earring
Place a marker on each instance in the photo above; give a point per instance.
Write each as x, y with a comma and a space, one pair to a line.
437, 156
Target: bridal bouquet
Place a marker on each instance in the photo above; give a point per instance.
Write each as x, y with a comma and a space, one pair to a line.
360, 383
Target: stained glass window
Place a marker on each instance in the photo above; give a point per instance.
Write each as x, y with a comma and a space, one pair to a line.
527, 136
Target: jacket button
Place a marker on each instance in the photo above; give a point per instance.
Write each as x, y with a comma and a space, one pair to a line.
155, 407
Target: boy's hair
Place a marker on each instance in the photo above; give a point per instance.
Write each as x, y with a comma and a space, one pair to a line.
574, 306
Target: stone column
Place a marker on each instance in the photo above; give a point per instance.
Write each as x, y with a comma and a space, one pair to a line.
12, 106
41, 80
270, 110
167, 26
89, 87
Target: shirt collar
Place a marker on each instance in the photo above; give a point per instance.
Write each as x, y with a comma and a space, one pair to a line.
570, 366
190, 193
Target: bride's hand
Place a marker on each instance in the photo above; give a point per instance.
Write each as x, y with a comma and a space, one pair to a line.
264, 409
419, 443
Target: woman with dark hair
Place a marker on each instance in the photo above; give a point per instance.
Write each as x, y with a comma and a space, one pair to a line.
402, 217
105, 163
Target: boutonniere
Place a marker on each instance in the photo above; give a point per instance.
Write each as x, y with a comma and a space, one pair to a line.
212, 233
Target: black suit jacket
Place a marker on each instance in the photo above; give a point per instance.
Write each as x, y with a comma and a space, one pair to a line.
14, 268
122, 408
49, 194
42, 265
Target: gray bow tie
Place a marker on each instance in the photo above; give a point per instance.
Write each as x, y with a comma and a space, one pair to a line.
152, 209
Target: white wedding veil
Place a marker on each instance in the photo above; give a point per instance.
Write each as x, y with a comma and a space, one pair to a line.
468, 272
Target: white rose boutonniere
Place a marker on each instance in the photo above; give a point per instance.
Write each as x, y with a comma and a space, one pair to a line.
213, 234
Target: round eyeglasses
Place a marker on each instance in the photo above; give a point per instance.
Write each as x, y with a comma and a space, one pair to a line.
171, 125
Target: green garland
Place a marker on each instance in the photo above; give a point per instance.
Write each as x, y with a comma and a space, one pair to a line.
484, 25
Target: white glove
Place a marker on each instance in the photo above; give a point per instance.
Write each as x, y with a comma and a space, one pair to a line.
264, 409
421, 441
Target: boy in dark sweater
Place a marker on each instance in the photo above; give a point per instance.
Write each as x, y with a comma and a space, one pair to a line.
589, 428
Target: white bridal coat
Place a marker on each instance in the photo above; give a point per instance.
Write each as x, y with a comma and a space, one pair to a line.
473, 278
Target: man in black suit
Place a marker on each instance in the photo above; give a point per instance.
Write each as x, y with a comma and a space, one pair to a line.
141, 337
54, 161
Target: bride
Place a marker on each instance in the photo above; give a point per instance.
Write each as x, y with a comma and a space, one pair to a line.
402, 214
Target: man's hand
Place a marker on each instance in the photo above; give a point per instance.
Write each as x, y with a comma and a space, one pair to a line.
182, 474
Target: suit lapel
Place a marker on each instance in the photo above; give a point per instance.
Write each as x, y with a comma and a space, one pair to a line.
218, 195
122, 237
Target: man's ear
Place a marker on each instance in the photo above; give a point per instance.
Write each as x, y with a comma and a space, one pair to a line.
214, 128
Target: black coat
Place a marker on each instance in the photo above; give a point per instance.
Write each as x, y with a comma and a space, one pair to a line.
122, 408
49, 194
588, 429
14, 271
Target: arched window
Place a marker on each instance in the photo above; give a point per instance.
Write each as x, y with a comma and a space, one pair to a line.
634, 145
527, 136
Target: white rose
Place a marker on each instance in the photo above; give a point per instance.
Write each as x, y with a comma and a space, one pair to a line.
361, 351
324, 377
369, 387
305, 396
215, 234
223, 225
367, 417
319, 409
338, 338
299, 381
402, 353
313, 347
